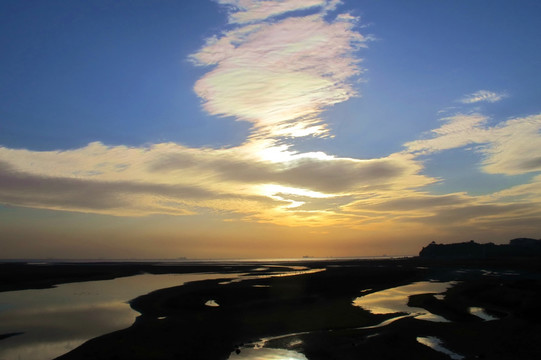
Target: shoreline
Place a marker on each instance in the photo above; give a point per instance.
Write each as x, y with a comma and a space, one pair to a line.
15, 275
317, 307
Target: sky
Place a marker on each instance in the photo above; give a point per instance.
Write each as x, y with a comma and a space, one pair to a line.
267, 129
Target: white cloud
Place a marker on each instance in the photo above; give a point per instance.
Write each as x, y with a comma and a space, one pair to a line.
529, 192
514, 147
173, 179
248, 11
281, 187
281, 75
483, 95
511, 147
457, 131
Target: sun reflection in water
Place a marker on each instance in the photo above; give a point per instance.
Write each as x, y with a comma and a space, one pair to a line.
395, 300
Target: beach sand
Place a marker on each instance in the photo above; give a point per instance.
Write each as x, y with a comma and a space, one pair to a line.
176, 323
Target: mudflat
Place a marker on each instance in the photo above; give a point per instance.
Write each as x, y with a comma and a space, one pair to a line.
312, 313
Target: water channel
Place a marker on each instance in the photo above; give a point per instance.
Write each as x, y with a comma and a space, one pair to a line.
51, 322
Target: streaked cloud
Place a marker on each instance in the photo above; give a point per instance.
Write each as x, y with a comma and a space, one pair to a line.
261, 181
529, 192
280, 75
457, 131
514, 147
510, 147
412, 201
484, 216
173, 179
279, 69
483, 96
120, 197
247, 11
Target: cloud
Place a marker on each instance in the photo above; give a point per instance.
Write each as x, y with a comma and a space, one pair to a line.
261, 182
173, 179
483, 96
122, 198
484, 215
331, 175
511, 147
279, 71
514, 147
528, 192
452, 213
414, 202
280, 75
247, 11
457, 131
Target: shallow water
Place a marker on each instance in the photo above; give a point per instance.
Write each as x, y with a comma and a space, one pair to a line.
56, 320
212, 303
295, 271
481, 313
267, 354
395, 300
436, 344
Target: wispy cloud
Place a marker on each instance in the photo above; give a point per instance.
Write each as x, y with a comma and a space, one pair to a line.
280, 75
514, 147
279, 71
287, 188
529, 192
457, 131
172, 179
483, 96
511, 147
247, 11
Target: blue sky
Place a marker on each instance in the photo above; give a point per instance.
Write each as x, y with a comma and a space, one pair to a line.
327, 120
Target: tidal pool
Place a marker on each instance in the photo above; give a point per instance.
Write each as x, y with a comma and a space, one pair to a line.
56, 320
395, 300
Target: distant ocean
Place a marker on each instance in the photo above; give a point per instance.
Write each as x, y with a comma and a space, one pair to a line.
201, 261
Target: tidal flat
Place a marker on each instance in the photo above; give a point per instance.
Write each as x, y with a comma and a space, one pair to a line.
316, 311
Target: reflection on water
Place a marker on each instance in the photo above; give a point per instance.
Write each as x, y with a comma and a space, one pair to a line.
297, 270
395, 300
481, 313
267, 354
57, 320
212, 303
436, 344
383, 323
